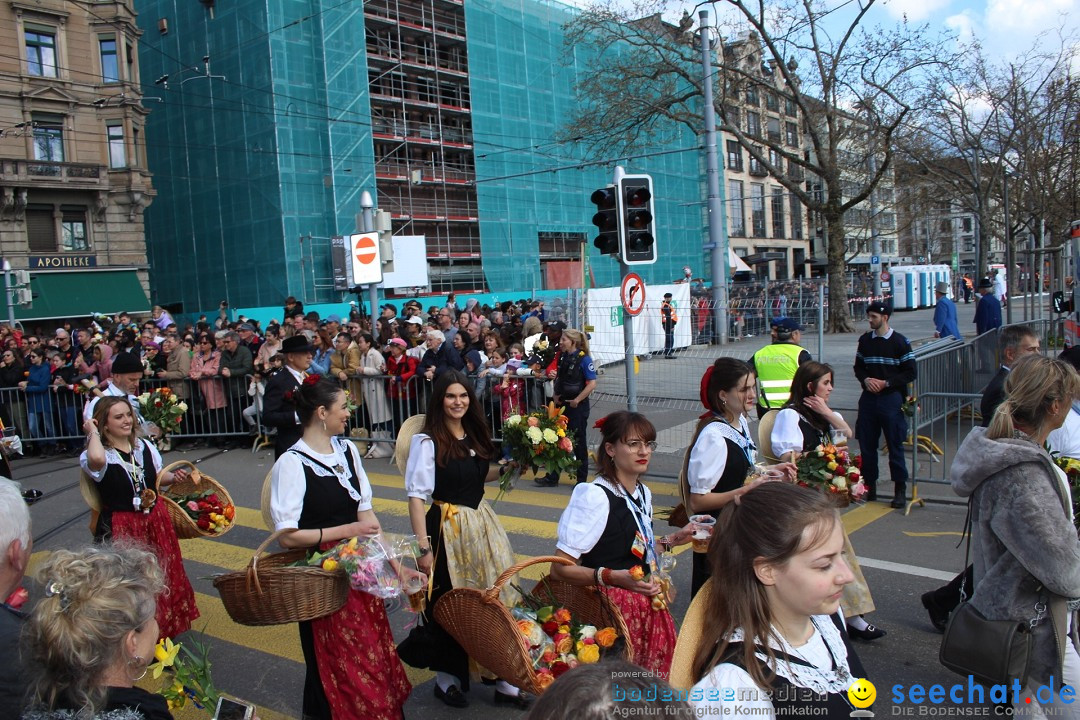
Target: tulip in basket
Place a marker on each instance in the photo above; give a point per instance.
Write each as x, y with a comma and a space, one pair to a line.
539, 442
831, 470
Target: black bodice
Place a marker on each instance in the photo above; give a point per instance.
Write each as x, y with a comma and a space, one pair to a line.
326, 502
612, 550
460, 481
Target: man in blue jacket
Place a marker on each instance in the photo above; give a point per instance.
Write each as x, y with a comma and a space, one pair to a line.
945, 313
988, 310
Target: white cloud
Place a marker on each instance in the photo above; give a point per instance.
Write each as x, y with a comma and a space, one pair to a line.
1029, 17
963, 24
915, 11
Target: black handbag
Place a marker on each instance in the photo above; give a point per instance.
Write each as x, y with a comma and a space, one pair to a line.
994, 652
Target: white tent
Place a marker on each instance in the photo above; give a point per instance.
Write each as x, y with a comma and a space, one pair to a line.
736, 262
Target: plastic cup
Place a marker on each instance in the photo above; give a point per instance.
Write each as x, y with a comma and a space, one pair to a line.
703, 528
415, 589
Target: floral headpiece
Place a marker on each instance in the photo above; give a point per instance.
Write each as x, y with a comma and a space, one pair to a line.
599, 424
704, 391
312, 379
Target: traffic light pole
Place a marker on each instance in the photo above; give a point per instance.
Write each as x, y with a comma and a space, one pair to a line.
628, 324
368, 216
718, 244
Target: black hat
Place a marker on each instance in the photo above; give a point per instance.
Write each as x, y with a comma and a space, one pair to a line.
667, 296
788, 325
879, 307
126, 362
985, 283
555, 325
296, 344
392, 308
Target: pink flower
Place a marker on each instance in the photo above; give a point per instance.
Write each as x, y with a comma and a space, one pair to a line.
565, 445
533, 421
193, 506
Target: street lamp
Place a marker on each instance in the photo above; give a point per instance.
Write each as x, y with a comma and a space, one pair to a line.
1009, 252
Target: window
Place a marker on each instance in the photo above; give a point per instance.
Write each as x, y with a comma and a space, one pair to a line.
791, 132
772, 102
73, 228
796, 216
752, 96
757, 208
790, 108
734, 156
110, 67
946, 227
775, 160
773, 127
753, 124
117, 156
730, 115
135, 147
40, 52
49, 138
40, 228
965, 223
778, 212
736, 218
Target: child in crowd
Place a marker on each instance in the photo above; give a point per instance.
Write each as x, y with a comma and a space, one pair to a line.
511, 393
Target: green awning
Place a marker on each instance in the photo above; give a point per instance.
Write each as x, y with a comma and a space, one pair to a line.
60, 295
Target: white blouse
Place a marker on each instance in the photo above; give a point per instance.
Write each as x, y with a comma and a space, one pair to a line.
729, 690
112, 457
585, 517
288, 483
787, 436
708, 458
420, 470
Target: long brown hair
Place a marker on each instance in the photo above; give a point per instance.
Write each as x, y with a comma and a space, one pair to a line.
475, 425
809, 373
101, 415
767, 525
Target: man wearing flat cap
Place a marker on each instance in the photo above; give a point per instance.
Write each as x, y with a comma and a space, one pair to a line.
945, 313
776, 364
884, 366
278, 408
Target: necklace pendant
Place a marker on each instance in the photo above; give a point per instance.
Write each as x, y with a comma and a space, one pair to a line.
339, 468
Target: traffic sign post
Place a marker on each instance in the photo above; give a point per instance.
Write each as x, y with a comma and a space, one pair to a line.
365, 258
632, 293
875, 264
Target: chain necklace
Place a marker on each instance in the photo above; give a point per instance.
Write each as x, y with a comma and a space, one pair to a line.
843, 674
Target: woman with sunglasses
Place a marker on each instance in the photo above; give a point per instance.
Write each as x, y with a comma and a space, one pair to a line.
606, 530
206, 368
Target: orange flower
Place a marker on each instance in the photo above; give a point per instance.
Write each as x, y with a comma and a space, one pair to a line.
637, 572
606, 637
533, 421
552, 411
525, 626
544, 678
563, 644
562, 615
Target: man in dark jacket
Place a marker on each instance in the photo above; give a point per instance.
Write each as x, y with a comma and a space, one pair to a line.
236, 363
439, 357
278, 408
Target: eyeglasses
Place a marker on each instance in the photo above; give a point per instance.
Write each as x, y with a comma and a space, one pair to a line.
33, 342
639, 445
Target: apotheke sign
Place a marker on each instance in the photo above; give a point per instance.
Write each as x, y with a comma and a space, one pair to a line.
57, 262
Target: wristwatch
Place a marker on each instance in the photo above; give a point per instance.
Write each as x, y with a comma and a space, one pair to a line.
425, 551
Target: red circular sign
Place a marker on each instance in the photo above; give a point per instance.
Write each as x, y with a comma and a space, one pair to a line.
633, 294
364, 249
884, 275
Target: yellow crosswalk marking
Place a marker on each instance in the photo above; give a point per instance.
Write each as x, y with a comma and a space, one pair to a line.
863, 515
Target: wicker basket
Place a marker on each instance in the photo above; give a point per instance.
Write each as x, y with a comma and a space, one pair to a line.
482, 625
270, 591
196, 481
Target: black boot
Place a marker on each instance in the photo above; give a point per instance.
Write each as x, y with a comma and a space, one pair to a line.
899, 496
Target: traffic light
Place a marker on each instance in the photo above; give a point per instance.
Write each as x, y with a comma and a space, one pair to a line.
606, 220
637, 241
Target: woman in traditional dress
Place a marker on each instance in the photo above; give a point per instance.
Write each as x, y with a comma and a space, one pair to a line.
772, 641
126, 472
449, 462
722, 453
320, 492
805, 422
607, 530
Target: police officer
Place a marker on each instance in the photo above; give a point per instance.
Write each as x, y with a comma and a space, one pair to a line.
884, 366
776, 364
575, 380
668, 319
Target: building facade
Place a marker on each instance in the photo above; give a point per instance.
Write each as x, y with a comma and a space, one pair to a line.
73, 177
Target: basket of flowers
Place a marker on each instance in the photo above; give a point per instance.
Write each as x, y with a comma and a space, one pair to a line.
281, 587
552, 629
198, 505
539, 442
830, 469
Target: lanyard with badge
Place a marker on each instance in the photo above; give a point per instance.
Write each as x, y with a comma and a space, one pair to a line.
644, 540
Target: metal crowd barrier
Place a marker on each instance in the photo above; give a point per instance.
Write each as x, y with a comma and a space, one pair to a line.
937, 435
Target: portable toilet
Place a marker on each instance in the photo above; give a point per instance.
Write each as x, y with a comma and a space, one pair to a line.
943, 273
903, 290
926, 285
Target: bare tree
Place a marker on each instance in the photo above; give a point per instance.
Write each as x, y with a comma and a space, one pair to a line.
852, 91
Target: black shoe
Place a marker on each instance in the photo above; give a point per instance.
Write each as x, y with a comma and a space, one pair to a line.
546, 482
452, 696
870, 633
939, 616
521, 701
898, 502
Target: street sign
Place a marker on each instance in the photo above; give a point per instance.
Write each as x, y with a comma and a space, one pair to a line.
633, 294
875, 259
364, 255
884, 276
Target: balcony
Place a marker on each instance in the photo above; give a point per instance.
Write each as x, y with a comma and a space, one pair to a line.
420, 133
40, 173
757, 170
453, 175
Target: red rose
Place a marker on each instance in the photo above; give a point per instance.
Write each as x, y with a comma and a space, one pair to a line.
558, 668
550, 627
213, 498
203, 522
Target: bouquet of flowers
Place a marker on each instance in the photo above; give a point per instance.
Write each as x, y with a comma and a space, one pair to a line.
909, 406
538, 441
555, 640
188, 675
830, 469
376, 565
208, 510
1071, 466
163, 408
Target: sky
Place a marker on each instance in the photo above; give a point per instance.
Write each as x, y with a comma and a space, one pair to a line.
1006, 28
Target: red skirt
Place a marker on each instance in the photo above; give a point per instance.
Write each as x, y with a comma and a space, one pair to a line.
652, 632
176, 606
358, 663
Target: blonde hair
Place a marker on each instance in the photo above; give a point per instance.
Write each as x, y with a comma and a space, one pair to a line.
94, 598
579, 340
1033, 385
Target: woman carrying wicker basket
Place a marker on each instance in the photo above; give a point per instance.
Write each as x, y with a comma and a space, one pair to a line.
127, 477
449, 462
607, 530
320, 491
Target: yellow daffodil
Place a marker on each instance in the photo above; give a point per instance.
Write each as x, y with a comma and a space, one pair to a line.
165, 654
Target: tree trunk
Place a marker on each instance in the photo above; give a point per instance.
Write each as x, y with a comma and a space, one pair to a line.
839, 317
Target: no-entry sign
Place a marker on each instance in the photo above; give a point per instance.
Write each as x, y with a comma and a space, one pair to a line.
366, 263
633, 294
